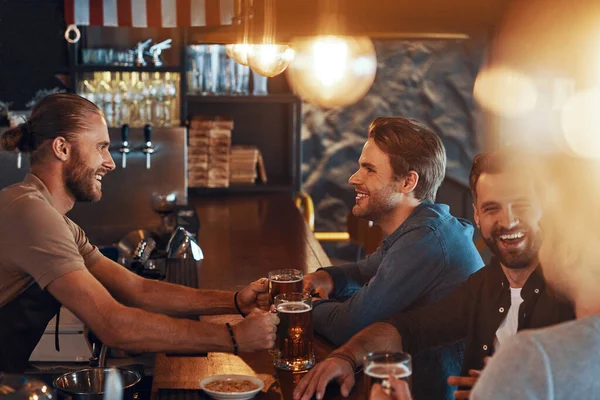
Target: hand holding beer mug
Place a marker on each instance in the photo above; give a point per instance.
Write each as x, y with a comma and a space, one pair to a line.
255, 295
285, 281
294, 344
378, 367
257, 331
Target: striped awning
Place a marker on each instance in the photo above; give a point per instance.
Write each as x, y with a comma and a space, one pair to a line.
149, 13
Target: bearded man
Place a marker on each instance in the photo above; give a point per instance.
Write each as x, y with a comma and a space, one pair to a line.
47, 260
427, 252
506, 296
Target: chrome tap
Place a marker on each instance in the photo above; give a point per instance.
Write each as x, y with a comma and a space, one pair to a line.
140, 62
157, 49
148, 148
125, 147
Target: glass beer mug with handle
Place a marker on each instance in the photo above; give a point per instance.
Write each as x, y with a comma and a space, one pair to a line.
294, 349
378, 367
285, 281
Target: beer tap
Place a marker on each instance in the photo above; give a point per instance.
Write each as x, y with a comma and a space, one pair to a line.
125, 148
140, 62
157, 49
148, 148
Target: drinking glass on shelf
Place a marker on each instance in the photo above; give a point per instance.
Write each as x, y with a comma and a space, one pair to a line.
241, 76
196, 68
211, 69
259, 83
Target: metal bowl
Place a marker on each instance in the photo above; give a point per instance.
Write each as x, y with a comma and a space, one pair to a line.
88, 383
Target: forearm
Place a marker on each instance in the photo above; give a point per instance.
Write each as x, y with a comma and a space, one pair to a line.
177, 300
380, 336
141, 331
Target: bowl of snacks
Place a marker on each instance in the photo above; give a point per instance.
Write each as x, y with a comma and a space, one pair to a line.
232, 387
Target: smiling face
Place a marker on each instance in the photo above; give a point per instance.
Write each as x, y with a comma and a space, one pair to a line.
508, 213
377, 189
90, 160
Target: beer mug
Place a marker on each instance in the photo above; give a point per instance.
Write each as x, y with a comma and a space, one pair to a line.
285, 281
294, 345
379, 366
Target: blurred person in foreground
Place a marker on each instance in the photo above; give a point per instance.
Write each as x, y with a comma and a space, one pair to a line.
427, 251
563, 361
506, 296
47, 260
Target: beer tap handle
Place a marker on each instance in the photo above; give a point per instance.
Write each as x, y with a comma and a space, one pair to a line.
148, 146
148, 135
125, 148
125, 135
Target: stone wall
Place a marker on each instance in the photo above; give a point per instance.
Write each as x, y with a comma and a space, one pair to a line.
431, 81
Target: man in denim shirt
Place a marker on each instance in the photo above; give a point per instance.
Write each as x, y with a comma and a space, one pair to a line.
427, 251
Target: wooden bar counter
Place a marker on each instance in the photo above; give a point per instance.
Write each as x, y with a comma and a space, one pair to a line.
243, 238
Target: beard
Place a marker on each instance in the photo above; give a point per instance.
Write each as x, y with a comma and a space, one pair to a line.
518, 258
81, 181
379, 204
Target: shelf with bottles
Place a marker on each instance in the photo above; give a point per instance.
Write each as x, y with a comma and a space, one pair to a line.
126, 68
134, 98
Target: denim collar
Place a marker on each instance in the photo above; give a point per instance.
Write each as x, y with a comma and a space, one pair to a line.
389, 240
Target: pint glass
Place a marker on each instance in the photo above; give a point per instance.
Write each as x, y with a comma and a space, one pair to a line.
379, 366
294, 345
285, 281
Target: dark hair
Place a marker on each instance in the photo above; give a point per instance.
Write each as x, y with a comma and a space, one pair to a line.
412, 146
62, 114
495, 162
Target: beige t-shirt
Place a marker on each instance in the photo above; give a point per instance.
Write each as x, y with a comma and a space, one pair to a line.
37, 243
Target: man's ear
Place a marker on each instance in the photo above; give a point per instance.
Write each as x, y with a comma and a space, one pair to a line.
409, 182
476, 216
61, 148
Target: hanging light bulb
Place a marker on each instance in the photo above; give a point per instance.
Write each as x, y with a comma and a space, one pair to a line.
270, 59
332, 71
239, 52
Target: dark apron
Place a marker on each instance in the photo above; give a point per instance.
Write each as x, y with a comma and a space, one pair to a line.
22, 324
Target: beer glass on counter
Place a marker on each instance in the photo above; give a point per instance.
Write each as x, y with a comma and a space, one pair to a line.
294, 345
285, 281
378, 367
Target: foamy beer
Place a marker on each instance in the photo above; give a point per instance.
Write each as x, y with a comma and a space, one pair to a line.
285, 281
379, 366
294, 344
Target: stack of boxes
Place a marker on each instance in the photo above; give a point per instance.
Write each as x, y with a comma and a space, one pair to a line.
209, 151
243, 164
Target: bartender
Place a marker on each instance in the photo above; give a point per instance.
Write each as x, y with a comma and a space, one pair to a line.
47, 261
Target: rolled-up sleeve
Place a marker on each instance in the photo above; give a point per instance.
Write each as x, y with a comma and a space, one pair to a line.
404, 273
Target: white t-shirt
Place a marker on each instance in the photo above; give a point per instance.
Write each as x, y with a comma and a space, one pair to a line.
509, 326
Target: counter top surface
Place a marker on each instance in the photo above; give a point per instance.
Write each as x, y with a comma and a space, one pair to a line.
243, 238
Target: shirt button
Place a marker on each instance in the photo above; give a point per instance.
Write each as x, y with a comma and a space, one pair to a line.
536, 291
501, 309
485, 347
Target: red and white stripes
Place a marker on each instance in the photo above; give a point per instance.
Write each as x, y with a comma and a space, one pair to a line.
149, 13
